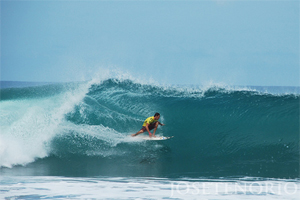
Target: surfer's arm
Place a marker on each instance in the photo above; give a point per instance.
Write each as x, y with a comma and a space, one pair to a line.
161, 124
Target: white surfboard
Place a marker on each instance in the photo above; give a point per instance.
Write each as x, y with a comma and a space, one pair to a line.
157, 138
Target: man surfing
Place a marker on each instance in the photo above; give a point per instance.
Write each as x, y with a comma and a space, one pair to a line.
149, 124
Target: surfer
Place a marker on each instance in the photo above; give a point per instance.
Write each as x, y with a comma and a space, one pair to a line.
149, 124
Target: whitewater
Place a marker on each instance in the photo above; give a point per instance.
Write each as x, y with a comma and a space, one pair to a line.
71, 141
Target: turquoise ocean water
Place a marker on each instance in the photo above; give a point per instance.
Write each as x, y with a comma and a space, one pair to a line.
70, 140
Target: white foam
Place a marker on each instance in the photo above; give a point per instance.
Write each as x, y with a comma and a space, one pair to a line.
28, 125
146, 188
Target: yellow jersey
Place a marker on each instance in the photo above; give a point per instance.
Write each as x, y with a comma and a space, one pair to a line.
149, 121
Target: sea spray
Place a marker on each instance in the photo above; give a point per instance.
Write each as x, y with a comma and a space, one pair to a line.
28, 124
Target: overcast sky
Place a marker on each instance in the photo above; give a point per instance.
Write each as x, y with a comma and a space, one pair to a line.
173, 42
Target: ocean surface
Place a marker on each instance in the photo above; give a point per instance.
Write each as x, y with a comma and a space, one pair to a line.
71, 141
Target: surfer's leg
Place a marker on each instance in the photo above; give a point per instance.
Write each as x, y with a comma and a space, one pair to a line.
156, 125
139, 132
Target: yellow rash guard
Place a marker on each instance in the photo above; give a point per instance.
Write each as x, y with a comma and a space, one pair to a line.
149, 121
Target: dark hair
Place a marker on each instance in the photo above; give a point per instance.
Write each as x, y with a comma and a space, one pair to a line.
156, 114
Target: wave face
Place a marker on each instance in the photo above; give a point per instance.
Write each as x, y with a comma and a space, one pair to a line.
82, 129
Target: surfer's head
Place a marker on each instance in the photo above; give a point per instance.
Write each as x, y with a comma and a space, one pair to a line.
156, 116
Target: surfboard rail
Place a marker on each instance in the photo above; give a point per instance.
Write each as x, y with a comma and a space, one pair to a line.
157, 138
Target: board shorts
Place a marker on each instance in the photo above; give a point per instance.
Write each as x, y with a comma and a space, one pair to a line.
151, 126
